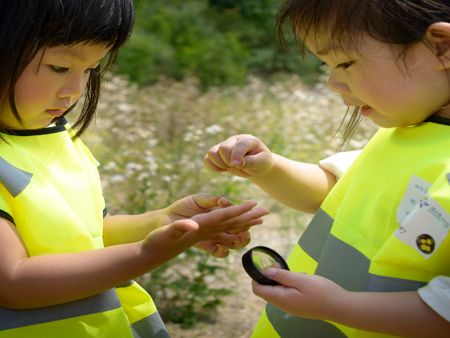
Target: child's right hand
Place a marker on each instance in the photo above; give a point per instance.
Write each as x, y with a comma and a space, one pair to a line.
242, 155
168, 241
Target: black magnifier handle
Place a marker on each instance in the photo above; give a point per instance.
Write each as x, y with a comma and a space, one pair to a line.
259, 258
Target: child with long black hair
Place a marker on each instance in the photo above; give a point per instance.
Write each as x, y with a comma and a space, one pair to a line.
66, 266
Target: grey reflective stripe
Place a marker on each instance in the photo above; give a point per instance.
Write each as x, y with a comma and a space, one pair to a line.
296, 327
316, 234
349, 268
389, 284
343, 264
150, 327
14, 179
11, 319
448, 178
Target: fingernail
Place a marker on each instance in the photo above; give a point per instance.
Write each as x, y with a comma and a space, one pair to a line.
270, 272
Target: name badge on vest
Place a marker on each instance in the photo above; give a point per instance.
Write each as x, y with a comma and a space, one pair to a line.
424, 223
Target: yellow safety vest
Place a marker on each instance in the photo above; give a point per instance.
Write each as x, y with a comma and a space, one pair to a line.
383, 227
50, 189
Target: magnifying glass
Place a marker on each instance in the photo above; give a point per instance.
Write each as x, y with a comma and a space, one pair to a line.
259, 258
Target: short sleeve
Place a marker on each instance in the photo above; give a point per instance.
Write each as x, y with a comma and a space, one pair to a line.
437, 295
339, 162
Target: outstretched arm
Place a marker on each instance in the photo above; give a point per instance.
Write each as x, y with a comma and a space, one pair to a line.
121, 229
28, 282
312, 296
302, 186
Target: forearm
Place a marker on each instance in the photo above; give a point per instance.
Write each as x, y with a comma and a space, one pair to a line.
398, 313
302, 186
58, 278
121, 229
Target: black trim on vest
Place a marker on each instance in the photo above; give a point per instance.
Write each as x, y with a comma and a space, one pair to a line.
439, 120
59, 127
105, 212
5, 215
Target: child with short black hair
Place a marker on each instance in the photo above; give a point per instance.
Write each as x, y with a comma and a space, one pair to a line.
374, 261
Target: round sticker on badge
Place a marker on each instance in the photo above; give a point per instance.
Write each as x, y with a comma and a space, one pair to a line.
425, 243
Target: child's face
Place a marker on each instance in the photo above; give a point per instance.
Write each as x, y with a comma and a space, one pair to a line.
52, 82
390, 92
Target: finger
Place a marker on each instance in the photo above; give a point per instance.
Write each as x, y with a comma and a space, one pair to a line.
246, 220
244, 239
215, 157
183, 226
212, 248
222, 214
286, 278
206, 201
221, 251
226, 148
227, 239
208, 246
210, 165
224, 202
244, 146
275, 294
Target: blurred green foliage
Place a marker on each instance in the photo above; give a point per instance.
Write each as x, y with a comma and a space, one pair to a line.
220, 42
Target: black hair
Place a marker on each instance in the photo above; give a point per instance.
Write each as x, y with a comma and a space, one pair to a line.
28, 26
398, 22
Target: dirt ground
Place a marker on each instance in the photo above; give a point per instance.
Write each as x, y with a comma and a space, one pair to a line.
241, 310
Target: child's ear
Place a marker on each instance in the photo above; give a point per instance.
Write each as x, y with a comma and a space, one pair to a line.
439, 35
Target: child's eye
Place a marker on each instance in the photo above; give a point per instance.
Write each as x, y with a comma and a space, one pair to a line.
58, 69
345, 65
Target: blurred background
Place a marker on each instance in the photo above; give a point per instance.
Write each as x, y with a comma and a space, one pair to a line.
193, 73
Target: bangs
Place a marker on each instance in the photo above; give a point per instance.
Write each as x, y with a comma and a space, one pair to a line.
346, 21
340, 20
68, 22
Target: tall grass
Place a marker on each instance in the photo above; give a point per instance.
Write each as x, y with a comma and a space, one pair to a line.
151, 142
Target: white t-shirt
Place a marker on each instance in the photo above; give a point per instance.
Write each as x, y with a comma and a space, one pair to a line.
437, 295
338, 163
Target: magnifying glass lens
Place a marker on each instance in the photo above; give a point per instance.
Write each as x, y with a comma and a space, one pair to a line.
262, 260
259, 258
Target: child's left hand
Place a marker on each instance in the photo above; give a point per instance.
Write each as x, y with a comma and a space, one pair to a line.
303, 295
218, 245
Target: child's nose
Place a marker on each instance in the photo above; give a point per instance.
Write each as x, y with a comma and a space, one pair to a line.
74, 87
338, 86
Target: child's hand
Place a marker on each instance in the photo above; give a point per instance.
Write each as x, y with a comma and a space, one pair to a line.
241, 155
310, 296
219, 244
192, 205
168, 241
